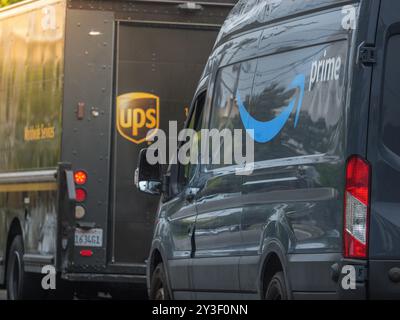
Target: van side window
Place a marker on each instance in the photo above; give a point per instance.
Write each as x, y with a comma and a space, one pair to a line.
391, 96
231, 81
298, 101
195, 123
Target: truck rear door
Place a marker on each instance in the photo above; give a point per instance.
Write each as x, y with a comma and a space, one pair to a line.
157, 69
384, 156
86, 138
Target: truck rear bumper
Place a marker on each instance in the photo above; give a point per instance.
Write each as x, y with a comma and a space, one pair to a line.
96, 277
115, 273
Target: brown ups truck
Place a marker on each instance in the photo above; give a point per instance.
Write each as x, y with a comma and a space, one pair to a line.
81, 84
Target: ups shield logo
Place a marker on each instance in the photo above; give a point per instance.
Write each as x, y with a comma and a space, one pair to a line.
137, 114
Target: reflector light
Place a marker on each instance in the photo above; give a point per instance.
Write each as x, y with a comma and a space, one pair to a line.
80, 195
80, 177
86, 253
356, 211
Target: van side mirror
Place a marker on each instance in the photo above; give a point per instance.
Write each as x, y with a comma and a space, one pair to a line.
148, 176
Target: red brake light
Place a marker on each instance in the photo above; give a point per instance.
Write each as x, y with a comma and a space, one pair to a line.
80, 195
356, 210
80, 177
86, 253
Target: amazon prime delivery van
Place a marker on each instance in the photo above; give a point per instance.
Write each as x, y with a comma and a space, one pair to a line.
315, 86
81, 84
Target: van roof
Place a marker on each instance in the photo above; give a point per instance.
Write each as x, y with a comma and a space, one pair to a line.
250, 14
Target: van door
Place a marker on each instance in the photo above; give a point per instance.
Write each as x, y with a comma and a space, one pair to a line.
157, 70
182, 213
384, 156
218, 237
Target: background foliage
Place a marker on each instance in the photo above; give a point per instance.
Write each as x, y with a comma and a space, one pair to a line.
4, 3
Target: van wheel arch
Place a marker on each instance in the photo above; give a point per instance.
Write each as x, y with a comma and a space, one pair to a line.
156, 259
274, 262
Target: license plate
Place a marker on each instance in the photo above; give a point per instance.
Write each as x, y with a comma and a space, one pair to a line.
89, 238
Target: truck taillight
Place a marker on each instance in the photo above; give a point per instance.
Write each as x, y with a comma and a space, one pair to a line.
356, 208
80, 177
86, 253
80, 195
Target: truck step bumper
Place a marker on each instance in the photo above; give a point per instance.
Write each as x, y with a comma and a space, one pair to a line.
96, 277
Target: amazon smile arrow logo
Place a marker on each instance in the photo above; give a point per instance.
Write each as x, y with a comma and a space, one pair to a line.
264, 132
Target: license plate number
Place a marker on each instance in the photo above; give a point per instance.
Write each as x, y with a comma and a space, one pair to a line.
89, 238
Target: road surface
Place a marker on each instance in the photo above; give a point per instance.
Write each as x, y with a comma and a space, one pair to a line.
3, 296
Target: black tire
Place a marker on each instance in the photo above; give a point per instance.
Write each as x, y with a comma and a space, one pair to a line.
159, 289
276, 289
20, 284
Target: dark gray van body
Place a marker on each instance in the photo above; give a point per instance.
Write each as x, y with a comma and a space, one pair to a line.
64, 64
236, 232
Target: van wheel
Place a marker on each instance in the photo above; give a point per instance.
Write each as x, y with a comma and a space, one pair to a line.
277, 288
20, 284
159, 287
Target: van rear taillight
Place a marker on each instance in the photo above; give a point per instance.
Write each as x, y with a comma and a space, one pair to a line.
356, 211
